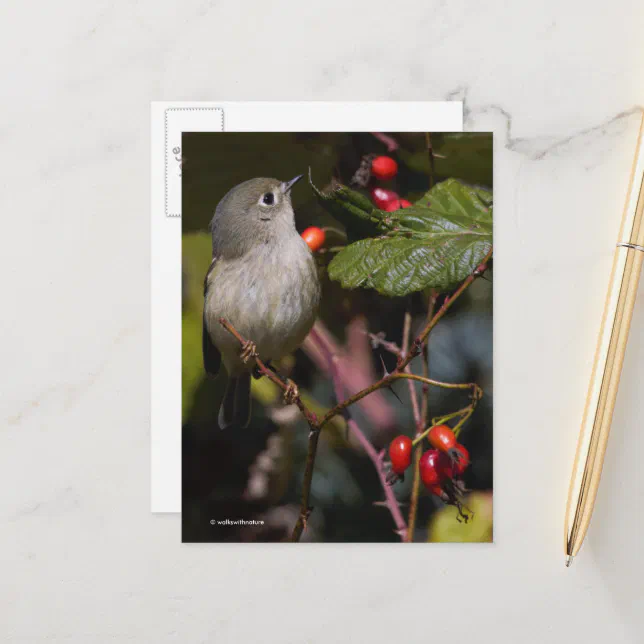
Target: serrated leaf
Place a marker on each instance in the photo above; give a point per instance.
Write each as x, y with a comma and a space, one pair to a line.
436, 243
459, 202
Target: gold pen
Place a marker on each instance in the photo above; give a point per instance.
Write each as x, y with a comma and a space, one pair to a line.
609, 356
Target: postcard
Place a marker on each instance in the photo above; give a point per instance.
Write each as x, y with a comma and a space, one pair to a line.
169, 120
336, 325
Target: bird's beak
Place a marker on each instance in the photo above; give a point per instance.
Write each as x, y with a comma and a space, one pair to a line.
287, 185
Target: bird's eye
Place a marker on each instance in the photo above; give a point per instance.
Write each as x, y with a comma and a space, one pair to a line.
268, 199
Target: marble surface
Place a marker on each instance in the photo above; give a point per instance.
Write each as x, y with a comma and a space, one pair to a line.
82, 558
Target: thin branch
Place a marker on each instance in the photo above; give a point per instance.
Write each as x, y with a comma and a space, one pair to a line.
406, 331
385, 382
465, 411
271, 375
436, 383
424, 414
412, 388
415, 350
305, 508
415, 493
389, 141
425, 404
378, 340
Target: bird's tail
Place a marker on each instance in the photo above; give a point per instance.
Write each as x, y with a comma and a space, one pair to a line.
235, 408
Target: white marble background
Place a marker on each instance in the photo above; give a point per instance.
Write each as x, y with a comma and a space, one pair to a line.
81, 557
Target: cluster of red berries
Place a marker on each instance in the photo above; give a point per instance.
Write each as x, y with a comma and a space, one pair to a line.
385, 168
440, 468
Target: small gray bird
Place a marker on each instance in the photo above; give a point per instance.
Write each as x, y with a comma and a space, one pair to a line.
263, 280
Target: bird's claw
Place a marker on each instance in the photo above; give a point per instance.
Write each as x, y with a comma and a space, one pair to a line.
291, 393
249, 350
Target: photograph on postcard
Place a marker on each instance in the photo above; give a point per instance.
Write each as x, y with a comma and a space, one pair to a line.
337, 379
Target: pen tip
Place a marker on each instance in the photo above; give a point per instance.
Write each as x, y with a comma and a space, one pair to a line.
569, 559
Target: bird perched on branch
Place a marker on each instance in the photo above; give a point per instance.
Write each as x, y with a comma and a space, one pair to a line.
263, 280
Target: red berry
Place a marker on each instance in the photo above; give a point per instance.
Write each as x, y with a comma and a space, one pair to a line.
314, 237
384, 168
454, 463
397, 204
461, 459
381, 197
400, 454
429, 473
445, 466
441, 437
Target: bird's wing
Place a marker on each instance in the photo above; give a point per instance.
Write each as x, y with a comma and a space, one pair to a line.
211, 355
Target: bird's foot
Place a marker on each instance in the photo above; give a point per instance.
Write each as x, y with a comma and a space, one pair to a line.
291, 393
249, 350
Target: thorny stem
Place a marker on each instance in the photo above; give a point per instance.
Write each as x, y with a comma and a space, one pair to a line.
430, 313
437, 383
384, 382
412, 388
418, 449
316, 424
305, 508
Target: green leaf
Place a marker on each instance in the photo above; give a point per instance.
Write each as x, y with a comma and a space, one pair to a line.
436, 243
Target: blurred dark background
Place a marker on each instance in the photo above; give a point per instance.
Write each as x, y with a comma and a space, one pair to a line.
257, 473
